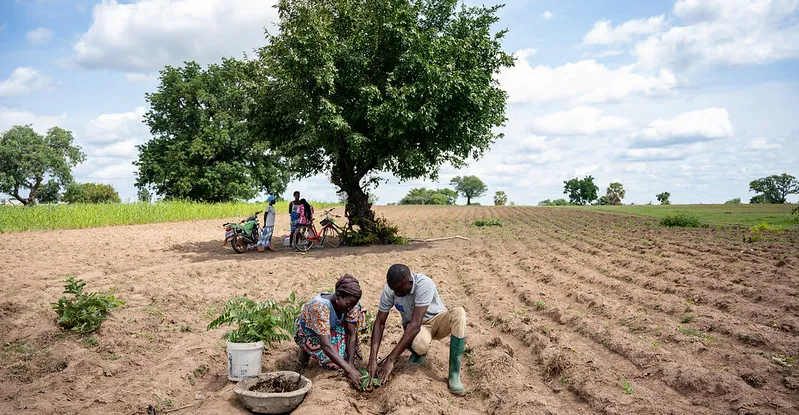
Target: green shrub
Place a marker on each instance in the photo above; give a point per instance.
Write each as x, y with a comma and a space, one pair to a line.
267, 321
681, 220
736, 201
756, 232
487, 222
84, 312
383, 233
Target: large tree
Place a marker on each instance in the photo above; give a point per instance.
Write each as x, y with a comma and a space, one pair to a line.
27, 158
469, 187
773, 189
615, 193
354, 89
581, 191
202, 148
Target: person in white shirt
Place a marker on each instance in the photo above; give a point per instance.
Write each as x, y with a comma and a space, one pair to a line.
424, 318
265, 243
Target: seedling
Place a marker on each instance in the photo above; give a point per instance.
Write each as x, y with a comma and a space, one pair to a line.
686, 318
83, 312
628, 387
540, 305
367, 382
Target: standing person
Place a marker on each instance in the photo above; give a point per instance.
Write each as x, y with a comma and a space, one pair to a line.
305, 213
424, 318
328, 327
265, 243
294, 205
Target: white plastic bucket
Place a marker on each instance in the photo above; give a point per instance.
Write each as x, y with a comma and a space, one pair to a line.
244, 360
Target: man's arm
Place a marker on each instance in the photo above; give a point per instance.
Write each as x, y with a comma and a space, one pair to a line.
411, 330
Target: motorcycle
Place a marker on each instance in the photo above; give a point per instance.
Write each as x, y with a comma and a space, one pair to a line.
243, 234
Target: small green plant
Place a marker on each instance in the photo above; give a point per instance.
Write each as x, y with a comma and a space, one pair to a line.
540, 305
268, 321
91, 341
686, 318
696, 333
756, 232
486, 222
628, 387
368, 382
784, 361
199, 372
382, 233
681, 220
83, 312
370, 323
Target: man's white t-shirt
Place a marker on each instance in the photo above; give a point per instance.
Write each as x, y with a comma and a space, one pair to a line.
423, 293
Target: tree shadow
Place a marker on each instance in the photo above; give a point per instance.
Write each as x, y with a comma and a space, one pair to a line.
202, 251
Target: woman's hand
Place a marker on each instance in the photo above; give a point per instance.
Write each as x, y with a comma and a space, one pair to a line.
354, 375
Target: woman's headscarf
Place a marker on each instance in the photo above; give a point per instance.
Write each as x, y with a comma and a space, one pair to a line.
348, 285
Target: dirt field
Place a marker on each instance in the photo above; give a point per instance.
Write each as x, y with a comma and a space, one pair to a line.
570, 312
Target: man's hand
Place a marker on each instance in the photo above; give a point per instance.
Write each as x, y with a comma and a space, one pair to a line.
372, 368
385, 370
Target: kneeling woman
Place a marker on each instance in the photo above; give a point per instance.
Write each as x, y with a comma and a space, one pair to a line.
328, 326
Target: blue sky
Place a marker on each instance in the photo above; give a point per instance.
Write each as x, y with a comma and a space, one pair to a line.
694, 97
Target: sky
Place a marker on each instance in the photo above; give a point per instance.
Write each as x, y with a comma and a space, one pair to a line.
693, 97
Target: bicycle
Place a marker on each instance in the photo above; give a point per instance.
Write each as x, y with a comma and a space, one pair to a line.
306, 236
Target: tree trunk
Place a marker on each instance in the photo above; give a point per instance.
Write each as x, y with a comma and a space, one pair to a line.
358, 210
468, 200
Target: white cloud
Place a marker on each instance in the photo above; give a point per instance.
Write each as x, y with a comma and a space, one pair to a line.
10, 117
39, 36
146, 35
24, 80
108, 128
123, 149
547, 15
763, 143
586, 121
724, 32
585, 81
701, 125
602, 33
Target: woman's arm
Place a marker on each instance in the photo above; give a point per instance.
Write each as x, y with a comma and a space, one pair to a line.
333, 355
352, 341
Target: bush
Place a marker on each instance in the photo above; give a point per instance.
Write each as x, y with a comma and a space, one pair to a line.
384, 233
268, 321
681, 220
84, 312
736, 201
486, 222
90, 193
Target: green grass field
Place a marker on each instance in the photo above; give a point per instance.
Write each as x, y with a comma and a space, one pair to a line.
714, 214
68, 216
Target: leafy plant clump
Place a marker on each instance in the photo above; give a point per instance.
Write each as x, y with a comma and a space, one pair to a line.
269, 322
368, 382
83, 312
486, 222
381, 233
756, 232
681, 220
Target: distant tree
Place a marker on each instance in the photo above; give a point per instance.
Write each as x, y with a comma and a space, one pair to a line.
615, 193
545, 202
512, 203
470, 187
663, 198
202, 147
90, 193
424, 196
144, 195
500, 198
49, 192
604, 200
775, 188
758, 199
581, 191
736, 201
27, 158
560, 202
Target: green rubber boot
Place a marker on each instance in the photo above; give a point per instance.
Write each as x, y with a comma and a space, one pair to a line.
416, 359
456, 346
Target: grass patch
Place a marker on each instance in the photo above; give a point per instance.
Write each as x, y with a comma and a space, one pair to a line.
686, 318
681, 220
78, 216
733, 214
486, 222
628, 387
696, 333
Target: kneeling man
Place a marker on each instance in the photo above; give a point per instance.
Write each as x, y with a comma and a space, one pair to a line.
424, 318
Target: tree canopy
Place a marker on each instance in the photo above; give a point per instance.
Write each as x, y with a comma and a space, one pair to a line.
27, 158
500, 198
423, 196
352, 89
615, 193
470, 187
581, 191
663, 198
90, 193
202, 148
773, 189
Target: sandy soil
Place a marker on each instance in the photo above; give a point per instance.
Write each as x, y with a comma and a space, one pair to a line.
569, 312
